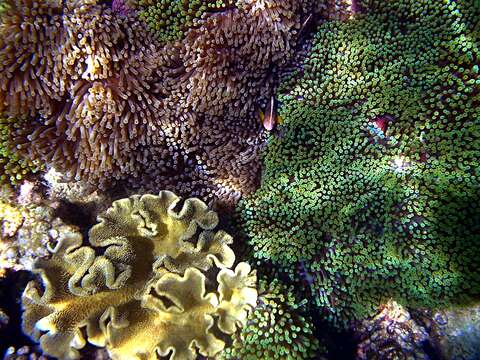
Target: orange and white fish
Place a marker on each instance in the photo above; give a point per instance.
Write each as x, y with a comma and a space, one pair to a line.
270, 118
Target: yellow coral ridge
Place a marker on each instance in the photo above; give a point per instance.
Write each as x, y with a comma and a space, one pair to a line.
10, 219
139, 288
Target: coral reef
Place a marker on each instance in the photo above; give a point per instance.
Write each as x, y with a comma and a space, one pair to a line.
370, 188
40, 229
391, 334
275, 329
140, 287
366, 115
27, 232
11, 219
60, 188
451, 333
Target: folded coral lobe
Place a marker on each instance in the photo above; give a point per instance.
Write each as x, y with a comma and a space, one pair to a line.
139, 287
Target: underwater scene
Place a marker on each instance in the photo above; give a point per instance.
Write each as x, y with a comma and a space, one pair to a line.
240, 179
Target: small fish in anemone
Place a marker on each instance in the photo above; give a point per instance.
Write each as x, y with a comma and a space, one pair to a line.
379, 126
381, 122
270, 118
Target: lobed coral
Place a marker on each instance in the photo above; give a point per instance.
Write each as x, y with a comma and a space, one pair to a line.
140, 287
275, 329
370, 188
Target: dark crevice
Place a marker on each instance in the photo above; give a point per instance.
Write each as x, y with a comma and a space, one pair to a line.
11, 289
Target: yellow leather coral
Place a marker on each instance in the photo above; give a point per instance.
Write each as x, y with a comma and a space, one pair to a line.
140, 287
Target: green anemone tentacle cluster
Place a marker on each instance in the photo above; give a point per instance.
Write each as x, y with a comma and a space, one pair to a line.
372, 185
13, 167
170, 19
275, 329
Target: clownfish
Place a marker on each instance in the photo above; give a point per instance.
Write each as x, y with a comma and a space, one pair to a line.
270, 118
